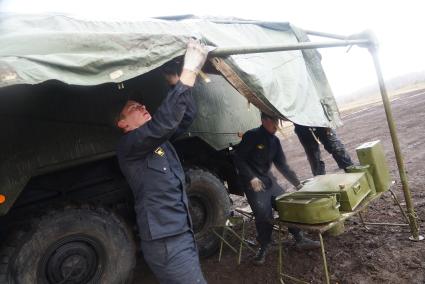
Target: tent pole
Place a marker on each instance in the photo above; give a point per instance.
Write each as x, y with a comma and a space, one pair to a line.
225, 51
334, 36
399, 157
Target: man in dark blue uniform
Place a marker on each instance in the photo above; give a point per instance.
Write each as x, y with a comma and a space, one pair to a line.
310, 137
256, 152
156, 177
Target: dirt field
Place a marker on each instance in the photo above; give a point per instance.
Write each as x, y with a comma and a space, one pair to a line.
379, 255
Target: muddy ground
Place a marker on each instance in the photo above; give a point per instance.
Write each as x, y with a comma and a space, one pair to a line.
378, 255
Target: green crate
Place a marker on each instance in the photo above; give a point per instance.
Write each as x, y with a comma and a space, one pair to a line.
364, 169
307, 208
372, 154
350, 188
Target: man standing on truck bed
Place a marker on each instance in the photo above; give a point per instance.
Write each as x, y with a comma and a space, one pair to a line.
310, 137
155, 175
256, 152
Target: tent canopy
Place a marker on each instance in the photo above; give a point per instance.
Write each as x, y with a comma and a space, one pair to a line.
37, 48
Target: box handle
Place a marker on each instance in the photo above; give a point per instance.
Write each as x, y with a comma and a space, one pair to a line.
356, 187
336, 205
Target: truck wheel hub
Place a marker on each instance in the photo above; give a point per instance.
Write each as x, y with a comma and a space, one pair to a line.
74, 260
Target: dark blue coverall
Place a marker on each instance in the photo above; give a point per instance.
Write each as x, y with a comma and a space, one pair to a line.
254, 156
153, 170
331, 143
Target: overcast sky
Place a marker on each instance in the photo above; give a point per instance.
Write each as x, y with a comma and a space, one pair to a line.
398, 25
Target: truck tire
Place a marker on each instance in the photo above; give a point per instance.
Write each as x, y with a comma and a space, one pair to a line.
209, 205
74, 245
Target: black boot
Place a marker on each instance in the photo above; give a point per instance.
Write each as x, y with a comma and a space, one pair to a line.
302, 242
260, 257
306, 244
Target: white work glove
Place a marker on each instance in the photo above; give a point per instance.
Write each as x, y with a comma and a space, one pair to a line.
257, 185
195, 57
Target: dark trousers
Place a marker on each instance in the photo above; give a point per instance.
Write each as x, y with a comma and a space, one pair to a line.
262, 204
174, 260
330, 142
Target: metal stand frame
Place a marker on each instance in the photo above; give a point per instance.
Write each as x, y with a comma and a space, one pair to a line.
321, 228
282, 275
387, 224
231, 222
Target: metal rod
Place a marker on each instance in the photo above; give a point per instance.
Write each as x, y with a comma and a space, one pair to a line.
250, 215
221, 247
334, 36
239, 238
241, 243
399, 206
399, 157
224, 51
325, 264
362, 220
386, 224
296, 280
227, 243
279, 269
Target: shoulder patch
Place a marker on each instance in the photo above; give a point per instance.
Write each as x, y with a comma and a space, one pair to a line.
159, 151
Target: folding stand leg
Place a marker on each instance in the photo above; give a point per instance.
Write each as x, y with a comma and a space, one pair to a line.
387, 224
221, 244
362, 221
280, 262
399, 206
279, 269
325, 264
241, 242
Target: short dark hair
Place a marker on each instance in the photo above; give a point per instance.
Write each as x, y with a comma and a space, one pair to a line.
118, 115
172, 67
268, 116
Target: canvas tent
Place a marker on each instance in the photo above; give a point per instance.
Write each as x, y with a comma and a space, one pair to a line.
38, 48
34, 49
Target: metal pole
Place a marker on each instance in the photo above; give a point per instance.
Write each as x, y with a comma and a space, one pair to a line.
279, 269
334, 36
399, 206
362, 220
393, 131
325, 264
241, 244
224, 51
386, 224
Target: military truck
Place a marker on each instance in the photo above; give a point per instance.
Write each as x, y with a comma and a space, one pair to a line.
66, 210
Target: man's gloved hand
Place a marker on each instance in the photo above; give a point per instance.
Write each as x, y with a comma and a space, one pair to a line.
257, 185
196, 54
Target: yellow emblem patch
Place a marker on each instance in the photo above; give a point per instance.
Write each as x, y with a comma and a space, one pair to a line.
159, 151
260, 146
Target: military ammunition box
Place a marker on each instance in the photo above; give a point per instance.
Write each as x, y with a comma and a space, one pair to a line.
364, 169
372, 154
350, 188
307, 208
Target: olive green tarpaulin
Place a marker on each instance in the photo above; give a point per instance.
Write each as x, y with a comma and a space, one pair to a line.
37, 48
